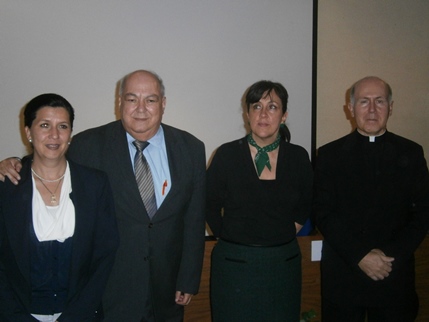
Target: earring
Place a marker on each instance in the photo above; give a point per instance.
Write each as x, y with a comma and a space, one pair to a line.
30, 140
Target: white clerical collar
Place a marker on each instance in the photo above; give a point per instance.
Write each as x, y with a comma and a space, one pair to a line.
371, 138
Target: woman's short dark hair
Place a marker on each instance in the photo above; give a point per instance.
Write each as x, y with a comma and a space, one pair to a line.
257, 91
44, 100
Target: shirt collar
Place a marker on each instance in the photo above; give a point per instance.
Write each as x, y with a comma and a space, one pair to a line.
156, 140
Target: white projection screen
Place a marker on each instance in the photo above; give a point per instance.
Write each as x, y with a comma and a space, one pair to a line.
208, 52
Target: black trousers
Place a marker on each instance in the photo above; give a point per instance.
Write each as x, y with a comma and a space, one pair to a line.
332, 312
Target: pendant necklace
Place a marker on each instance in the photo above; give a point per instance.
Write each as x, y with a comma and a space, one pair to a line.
53, 196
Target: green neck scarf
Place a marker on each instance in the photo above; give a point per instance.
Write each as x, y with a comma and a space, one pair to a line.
262, 159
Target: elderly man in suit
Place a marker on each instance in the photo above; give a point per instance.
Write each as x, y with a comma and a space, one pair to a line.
372, 207
159, 261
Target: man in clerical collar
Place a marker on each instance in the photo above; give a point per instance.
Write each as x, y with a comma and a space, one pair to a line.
372, 207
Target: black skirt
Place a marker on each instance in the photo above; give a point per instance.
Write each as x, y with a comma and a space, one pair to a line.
255, 283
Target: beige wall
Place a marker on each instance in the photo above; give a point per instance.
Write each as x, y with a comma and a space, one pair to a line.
386, 38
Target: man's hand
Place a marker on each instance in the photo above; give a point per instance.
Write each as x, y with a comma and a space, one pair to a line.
183, 298
376, 265
10, 168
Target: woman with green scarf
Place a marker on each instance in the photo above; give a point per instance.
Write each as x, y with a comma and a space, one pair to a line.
259, 193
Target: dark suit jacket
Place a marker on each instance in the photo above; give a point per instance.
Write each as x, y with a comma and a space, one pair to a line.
360, 207
94, 244
160, 256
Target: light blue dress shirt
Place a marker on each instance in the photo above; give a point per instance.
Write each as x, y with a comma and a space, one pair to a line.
156, 155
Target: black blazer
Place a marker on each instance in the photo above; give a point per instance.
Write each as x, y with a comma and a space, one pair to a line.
94, 244
160, 256
359, 208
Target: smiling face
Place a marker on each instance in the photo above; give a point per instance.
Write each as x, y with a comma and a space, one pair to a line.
371, 107
142, 105
50, 133
265, 117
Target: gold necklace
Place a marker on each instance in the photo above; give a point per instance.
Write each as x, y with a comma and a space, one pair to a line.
53, 196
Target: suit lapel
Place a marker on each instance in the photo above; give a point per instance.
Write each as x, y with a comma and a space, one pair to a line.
118, 147
176, 160
18, 219
80, 227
